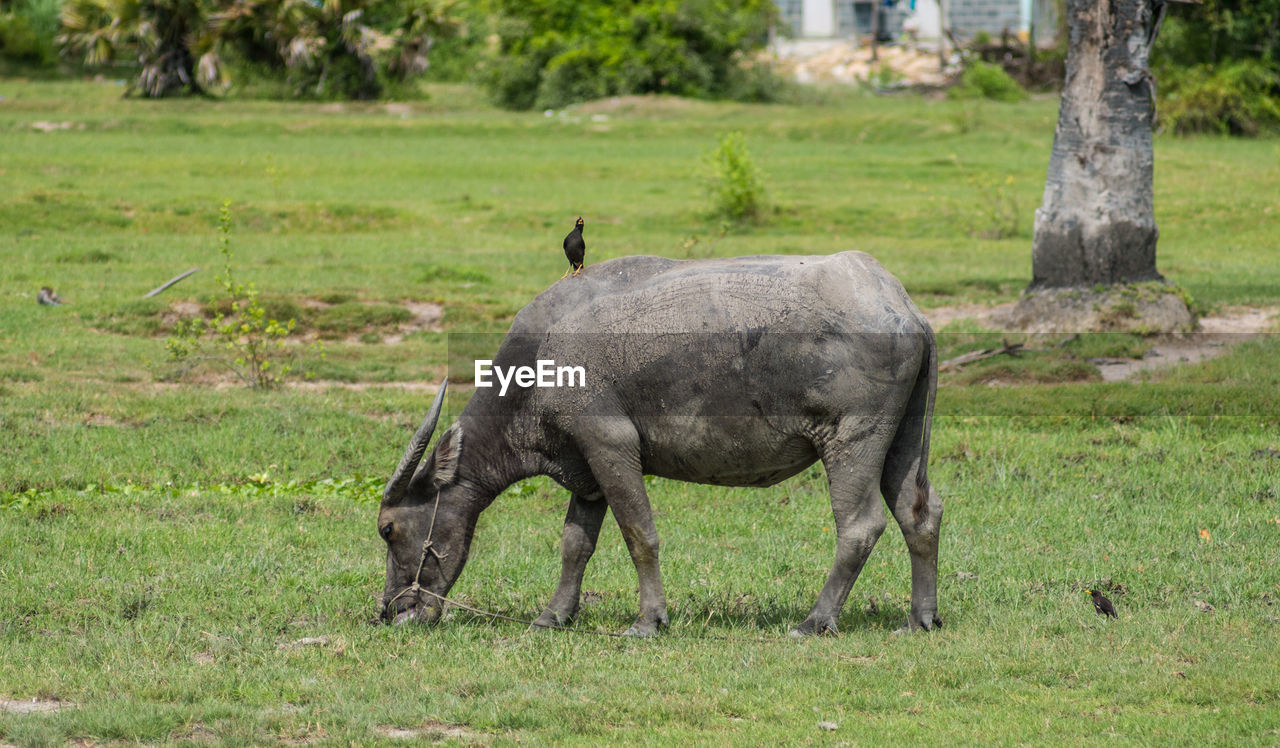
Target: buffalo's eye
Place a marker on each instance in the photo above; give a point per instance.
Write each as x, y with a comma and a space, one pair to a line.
385, 531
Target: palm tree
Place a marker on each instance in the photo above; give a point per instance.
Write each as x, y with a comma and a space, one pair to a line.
412, 39
328, 47
158, 34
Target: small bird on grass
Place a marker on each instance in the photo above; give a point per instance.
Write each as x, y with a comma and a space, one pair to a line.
47, 297
1102, 604
575, 249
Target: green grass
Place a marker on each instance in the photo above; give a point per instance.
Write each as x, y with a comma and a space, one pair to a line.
159, 612
164, 546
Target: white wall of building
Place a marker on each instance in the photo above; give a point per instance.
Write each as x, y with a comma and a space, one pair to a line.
818, 18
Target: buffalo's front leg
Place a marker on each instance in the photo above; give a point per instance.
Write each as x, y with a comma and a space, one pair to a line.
578, 542
859, 520
614, 457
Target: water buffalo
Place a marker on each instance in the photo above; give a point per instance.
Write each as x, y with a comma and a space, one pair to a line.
733, 372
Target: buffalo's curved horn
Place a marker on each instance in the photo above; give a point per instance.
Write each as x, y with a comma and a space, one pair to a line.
399, 482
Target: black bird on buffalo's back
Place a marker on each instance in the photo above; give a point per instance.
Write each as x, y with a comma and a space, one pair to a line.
575, 249
1102, 604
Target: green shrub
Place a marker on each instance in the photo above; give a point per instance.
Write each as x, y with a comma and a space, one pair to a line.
456, 56
575, 75
27, 32
551, 53
982, 80
1217, 31
1239, 98
735, 185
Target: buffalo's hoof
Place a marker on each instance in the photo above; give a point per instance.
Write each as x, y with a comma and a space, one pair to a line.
925, 622
552, 619
646, 627
814, 627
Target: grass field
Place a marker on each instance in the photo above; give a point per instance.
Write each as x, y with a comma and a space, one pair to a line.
196, 562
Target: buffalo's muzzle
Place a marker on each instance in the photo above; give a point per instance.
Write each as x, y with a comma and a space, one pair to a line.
397, 614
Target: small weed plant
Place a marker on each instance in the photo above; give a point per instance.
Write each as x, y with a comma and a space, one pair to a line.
240, 335
885, 77
968, 116
998, 213
735, 185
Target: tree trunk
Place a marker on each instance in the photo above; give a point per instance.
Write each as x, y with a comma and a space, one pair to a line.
1096, 225
875, 31
168, 67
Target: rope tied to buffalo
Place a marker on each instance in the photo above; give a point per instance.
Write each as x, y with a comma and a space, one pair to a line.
427, 547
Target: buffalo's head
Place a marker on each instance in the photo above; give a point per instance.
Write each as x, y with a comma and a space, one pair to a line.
426, 521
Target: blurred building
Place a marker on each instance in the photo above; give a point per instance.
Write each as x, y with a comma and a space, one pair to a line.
919, 19
840, 19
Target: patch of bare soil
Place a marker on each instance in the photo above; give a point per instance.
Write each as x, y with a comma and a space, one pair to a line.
33, 706
1239, 320
433, 732
1214, 336
940, 317
426, 316
197, 734
43, 126
180, 310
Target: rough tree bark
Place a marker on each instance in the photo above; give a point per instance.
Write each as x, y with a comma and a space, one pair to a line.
1096, 225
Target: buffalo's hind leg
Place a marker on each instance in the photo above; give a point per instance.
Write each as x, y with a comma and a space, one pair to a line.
918, 510
577, 543
859, 520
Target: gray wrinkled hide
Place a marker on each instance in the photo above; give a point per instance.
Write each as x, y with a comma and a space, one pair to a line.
736, 371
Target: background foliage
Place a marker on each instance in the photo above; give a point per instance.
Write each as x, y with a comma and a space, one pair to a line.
550, 53
1218, 66
1217, 63
351, 49
983, 80
27, 31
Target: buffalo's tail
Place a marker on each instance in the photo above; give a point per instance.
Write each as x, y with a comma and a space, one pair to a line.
927, 381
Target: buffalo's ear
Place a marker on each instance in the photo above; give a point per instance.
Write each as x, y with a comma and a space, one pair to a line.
448, 450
